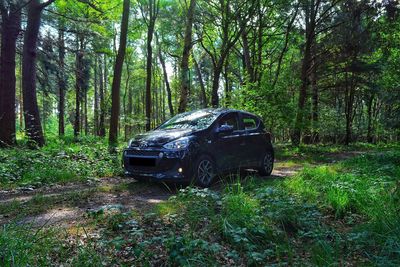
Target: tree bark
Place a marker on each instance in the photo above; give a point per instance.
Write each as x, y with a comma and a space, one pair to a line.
167, 85
10, 27
31, 109
350, 96
184, 77
310, 35
129, 109
370, 138
102, 81
96, 98
78, 84
116, 85
315, 97
153, 12
215, 83
202, 86
246, 54
61, 81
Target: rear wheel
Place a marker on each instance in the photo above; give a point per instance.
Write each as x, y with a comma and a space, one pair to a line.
204, 171
267, 164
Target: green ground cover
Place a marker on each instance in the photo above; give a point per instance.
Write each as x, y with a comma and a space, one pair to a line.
346, 213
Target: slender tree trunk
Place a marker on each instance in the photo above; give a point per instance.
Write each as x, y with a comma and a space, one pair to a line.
10, 27
167, 86
370, 138
61, 81
310, 32
31, 109
102, 128
78, 84
315, 98
86, 113
185, 58
202, 86
149, 60
96, 98
350, 95
116, 85
227, 85
129, 109
215, 83
246, 54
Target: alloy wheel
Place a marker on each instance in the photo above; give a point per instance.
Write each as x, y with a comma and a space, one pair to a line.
205, 172
268, 163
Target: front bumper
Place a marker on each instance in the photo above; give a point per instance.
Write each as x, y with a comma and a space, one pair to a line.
165, 165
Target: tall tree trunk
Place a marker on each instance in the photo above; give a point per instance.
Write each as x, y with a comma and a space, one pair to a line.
78, 84
96, 98
246, 53
350, 96
202, 86
85, 120
129, 109
215, 82
102, 127
115, 90
167, 86
227, 85
31, 109
185, 58
10, 27
315, 97
310, 35
149, 59
62, 86
370, 138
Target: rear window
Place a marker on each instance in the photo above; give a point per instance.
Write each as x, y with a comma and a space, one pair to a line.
250, 123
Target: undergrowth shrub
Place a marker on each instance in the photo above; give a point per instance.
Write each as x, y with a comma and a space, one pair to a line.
58, 162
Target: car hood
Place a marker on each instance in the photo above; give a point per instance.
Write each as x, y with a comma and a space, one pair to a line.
159, 137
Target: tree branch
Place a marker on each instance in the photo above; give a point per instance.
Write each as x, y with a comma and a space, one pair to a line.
45, 4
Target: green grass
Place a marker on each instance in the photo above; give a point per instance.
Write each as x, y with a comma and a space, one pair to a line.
339, 214
59, 162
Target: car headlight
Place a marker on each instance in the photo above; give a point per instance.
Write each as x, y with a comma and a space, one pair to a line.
130, 143
180, 143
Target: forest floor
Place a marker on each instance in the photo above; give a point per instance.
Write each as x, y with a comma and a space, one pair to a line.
59, 205
321, 206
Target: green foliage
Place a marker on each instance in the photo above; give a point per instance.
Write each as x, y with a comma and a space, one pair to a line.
345, 213
25, 247
60, 161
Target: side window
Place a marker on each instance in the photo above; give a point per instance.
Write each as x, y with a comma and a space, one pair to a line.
249, 123
230, 119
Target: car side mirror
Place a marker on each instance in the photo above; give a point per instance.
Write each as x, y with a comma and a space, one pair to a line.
225, 129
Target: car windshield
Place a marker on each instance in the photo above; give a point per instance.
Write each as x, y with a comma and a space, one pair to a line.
197, 120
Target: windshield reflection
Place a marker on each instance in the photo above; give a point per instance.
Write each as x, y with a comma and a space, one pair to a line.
197, 120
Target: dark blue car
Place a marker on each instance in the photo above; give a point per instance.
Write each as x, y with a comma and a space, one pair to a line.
199, 145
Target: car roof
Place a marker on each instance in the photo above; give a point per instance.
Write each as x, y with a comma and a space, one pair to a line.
225, 110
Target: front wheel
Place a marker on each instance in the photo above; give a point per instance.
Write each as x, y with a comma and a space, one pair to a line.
204, 171
267, 164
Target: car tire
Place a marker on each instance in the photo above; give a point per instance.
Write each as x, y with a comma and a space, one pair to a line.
204, 171
267, 164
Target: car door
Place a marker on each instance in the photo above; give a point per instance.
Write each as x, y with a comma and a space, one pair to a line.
252, 137
228, 146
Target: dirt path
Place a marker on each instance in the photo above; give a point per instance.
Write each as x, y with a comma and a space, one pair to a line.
68, 205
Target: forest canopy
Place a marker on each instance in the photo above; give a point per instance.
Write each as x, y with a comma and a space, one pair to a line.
313, 70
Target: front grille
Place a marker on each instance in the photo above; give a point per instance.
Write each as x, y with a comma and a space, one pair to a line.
146, 153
